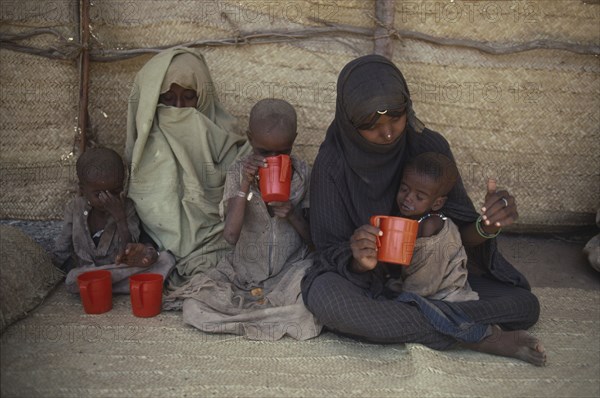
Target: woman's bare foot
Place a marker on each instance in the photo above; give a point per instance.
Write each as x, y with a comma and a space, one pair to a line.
515, 344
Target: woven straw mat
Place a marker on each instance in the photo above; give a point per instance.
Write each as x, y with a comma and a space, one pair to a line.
60, 351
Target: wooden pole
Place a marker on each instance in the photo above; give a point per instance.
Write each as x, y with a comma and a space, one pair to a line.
384, 13
84, 74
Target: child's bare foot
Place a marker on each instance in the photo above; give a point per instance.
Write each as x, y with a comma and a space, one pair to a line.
515, 344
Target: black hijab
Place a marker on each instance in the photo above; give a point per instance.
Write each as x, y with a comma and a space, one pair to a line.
368, 84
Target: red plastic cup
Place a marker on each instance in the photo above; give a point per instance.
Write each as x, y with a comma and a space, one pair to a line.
145, 291
95, 289
398, 241
275, 179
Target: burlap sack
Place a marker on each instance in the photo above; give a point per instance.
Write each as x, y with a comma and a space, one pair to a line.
26, 275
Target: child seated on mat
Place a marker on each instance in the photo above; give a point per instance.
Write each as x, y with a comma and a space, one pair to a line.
101, 229
255, 290
438, 269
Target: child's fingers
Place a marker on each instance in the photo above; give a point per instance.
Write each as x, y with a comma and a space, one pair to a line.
256, 161
251, 170
150, 257
279, 204
121, 257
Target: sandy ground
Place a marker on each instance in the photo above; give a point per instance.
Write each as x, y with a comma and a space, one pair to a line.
549, 260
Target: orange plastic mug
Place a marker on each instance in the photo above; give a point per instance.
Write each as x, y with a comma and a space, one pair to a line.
95, 289
146, 294
398, 241
275, 179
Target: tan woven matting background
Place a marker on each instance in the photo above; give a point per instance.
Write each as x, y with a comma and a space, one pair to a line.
38, 113
60, 351
530, 119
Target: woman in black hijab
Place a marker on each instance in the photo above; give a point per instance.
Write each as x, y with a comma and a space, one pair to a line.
356, 175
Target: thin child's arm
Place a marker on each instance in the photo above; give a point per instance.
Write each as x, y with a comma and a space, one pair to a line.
115, 205
287, 211
236, 205
124, 233
234, 217
430, 226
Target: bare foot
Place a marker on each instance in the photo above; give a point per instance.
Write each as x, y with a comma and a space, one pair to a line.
515, 344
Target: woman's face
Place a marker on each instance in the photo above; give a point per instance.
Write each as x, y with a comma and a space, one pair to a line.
387, 129
179, 97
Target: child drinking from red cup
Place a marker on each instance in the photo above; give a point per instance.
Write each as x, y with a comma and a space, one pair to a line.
254, 291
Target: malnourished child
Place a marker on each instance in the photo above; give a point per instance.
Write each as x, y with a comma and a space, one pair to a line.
438, 269
255, 289
101, 229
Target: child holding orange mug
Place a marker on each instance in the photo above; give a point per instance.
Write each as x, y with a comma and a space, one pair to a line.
254, 290
438, 269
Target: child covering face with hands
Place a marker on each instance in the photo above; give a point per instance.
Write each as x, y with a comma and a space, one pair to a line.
101, 229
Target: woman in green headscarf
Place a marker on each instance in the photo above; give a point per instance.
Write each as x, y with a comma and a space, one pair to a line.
180, 143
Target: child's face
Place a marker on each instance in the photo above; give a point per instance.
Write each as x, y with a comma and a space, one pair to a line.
418, 195
271, 144
91, 190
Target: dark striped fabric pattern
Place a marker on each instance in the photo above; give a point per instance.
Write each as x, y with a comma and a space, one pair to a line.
347, 309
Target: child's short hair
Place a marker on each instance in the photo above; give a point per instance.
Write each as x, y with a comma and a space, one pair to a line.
270, 114
434, 165
100, 164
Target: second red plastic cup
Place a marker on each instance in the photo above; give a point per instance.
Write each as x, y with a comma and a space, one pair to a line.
146, 294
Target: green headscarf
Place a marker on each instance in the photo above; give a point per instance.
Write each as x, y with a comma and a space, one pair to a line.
179, 158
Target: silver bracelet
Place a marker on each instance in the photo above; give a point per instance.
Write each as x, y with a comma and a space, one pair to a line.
245, 195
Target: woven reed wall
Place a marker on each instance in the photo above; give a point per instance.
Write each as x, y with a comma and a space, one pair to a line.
38, 114
531, 119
